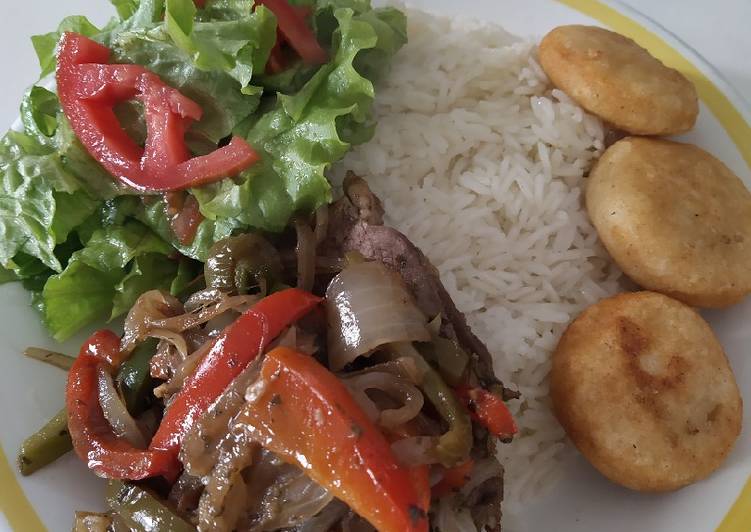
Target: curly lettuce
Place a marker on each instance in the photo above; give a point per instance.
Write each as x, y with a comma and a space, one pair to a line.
85, 245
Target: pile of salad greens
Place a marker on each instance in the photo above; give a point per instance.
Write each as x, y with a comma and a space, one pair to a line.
85, 246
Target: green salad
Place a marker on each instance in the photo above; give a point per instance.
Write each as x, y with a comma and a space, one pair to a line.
85, 245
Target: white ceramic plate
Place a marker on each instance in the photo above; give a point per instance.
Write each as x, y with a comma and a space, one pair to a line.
582, 500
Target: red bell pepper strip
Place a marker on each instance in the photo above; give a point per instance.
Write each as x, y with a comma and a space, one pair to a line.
185, 216
93, 439
454, 478
239, 344
305, 415
489, 410
89, 88
296, 32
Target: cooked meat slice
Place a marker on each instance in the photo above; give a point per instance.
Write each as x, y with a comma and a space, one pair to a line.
374, 241
354, 227
369, 206
357, 204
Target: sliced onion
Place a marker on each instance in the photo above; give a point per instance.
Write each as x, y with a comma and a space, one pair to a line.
210, 435
297, 339
452, 516
150, 307
404, 367
365, 402
405, 393
417, 450
281, 495
325, 520
367, 306
176, 339
183, 371
306, 255
203, 314
122, 423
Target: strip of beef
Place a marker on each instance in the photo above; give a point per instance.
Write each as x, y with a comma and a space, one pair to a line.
356, 224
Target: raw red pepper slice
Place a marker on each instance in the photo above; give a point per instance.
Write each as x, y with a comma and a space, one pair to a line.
489, 410
93, 439
185, 216
305, 415
236, 347
88, 88
296, 32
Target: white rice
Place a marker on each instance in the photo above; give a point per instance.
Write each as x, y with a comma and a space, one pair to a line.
482, 165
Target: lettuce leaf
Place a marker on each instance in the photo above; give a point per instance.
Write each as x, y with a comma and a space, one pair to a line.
125, 8
76, 297
87, 246
217, 92
148, 272
29, 182
237, 46
304, 133
45, 45
102, 278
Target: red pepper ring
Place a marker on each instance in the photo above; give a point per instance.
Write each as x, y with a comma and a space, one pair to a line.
93, 440
89, 88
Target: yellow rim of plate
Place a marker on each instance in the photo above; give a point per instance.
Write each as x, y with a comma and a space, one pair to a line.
22, 516
19, 512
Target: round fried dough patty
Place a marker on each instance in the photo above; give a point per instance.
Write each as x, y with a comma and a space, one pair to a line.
614, 78
642, 386
675, 219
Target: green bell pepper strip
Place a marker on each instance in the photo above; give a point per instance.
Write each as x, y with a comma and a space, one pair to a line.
454, 445
140, 510
134, 378
46, 445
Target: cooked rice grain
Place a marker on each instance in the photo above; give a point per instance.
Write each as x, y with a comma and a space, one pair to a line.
482, 165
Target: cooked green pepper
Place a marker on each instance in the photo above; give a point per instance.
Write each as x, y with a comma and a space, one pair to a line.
455, 444
134, 379
450, 359
139, 509
46, 445
257, 260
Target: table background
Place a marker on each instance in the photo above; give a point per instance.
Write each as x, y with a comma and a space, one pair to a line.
717, 29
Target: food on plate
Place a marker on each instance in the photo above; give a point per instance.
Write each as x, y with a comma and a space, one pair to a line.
254, 406
675, 219
486, 175
614, 78
196, 141
644, 390
172, 128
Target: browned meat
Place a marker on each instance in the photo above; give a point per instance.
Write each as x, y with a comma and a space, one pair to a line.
356, 224
375, 241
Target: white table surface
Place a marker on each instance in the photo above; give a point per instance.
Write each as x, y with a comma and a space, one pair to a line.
717, 29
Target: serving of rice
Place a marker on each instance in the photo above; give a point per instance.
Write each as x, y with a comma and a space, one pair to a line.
482, 166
